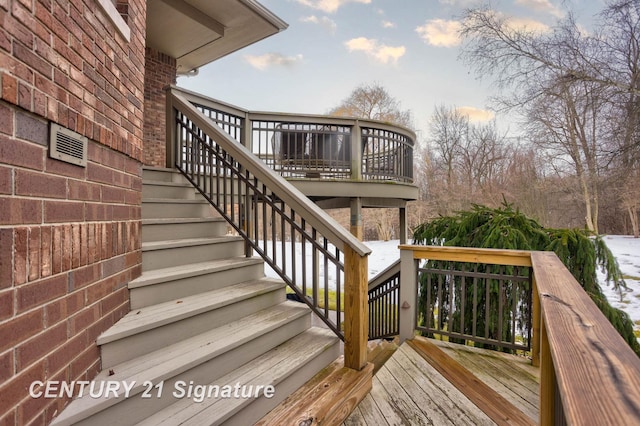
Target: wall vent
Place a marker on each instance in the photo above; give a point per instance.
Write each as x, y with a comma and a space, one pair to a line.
66, 145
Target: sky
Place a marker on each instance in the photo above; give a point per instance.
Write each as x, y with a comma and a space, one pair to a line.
409, 47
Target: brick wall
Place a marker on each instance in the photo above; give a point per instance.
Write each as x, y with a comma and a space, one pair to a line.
69, 236
160, 72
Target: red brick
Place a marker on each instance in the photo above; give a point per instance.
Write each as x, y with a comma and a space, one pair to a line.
98, 212
75, 250
23, 154
20, 328
66, 248
9, 88
7, 366
56, 250
20, 255
112, 194
63, 211
7, 304
40, 185
83, 319
79, 278
38, 293
32, 129
32, 60
34, 253
6, 118
40, 345
9, 419
97, 173
45, 251
6, 257
17, 389
115, 300
84, 244
65, 169
62, 356
19, 211
86, 364
80, 190
6, 180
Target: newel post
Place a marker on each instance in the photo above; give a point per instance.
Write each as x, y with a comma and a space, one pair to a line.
171, 130
408, 294
356, 307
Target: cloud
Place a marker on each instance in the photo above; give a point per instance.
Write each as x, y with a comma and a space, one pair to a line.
326, 22
544, 6
527, 24
388, 24
380, 52
439, 32
329, 6
476, 114
267, 60
460, 3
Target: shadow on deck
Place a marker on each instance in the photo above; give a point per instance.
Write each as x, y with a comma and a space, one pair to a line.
468, 386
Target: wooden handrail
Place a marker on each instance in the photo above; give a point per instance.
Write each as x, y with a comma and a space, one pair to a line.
589, 374
596, 372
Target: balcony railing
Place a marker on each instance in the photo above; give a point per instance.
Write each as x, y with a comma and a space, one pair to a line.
588, 373
315, 146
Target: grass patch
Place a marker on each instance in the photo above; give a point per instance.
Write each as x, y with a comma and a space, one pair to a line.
332, 295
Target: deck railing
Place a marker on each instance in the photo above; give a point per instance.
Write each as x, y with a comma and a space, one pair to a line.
306, 247
315, 146
589, 375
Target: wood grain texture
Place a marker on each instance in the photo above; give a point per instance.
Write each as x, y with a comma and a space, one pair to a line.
597, 373
501, 411
472, 255
356, 309
328, 402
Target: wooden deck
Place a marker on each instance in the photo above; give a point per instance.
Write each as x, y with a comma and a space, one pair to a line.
409, 390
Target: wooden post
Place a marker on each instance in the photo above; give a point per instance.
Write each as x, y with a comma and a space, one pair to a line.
402, 215
408, 294
547, 380
356, 218
356, 316
356, 152
535, 323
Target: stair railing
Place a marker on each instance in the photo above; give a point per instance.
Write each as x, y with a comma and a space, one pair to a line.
307, 248
384, 303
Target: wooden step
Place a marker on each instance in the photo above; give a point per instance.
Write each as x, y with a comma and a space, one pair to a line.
163, 285
151, 328
161, 174
168, 253
286, 368
164, 189
153, 208
191, 227
202, 359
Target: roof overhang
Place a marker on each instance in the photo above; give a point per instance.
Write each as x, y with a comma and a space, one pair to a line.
197, 32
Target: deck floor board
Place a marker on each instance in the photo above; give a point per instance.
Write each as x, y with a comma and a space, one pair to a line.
407, 390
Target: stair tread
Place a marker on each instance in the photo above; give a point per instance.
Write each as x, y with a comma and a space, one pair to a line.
156, 276
188, 242
268, 369
172, 360
167, 183
154, 316
178, 220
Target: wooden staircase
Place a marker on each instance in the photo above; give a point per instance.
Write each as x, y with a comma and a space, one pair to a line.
202, 314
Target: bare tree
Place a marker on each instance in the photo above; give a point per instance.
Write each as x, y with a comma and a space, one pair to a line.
372, 101
562, 82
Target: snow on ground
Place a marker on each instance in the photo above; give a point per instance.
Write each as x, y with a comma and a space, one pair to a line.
626, 249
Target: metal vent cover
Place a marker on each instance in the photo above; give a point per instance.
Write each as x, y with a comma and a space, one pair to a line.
67, 145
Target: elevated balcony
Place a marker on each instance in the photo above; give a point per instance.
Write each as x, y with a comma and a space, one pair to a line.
337, 162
